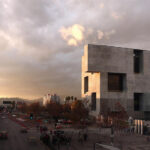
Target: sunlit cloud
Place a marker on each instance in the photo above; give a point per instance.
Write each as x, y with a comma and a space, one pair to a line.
73, 35
89, 31
116, 15
37, 43
109, 34
72, 42
101, 5
100, 34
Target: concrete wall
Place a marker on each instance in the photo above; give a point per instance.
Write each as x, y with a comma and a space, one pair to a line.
145, 102
109, 59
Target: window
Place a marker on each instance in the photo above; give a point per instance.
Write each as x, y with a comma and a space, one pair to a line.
138, 61
85, 84
93, 101
137, 99
116, 82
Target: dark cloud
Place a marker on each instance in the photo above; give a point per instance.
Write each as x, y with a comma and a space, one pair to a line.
36, 59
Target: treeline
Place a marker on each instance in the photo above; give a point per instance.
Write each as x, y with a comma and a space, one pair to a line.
74, 111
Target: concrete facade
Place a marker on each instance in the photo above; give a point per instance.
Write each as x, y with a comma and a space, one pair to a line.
99, 61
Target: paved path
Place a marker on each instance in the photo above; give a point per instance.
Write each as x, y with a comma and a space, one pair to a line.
17, 140
139, 147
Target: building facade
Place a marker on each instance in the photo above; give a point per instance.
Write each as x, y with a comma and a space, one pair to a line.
114, 74
50, 98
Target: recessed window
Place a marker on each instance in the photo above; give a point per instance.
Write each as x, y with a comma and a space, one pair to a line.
138, 61
137, 101
116, 82
93, 97
86, 84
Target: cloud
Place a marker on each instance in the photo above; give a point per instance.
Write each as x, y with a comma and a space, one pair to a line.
100, 34
41, 41
109, 34
73, 35
116, 15
72, 42
101, 5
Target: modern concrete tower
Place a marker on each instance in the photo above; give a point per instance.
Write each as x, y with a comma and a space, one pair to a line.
114, 74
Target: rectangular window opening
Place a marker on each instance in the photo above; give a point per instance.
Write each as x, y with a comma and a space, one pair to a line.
116, 82
137, 101
138, 61
93, 97
85, 84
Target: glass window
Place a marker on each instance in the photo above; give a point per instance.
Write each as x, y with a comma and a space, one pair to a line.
85, 84
115, 81
93, 101
138, 61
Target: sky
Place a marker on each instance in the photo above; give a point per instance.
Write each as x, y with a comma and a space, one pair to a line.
42, 41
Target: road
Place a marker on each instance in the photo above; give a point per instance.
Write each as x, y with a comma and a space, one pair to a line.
17, 140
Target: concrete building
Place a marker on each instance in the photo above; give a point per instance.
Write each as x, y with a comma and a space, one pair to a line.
114, 74
50, 98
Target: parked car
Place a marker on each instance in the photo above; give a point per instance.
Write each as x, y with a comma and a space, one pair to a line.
59, 126
67, 122
3, 135
61, 120
23, 130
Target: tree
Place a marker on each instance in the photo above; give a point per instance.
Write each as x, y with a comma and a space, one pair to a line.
23, 108
35, 108
120, 116
78, 111
54, 109
66, 108
72, 98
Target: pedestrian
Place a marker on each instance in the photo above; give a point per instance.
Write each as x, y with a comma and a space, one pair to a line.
55, 125
112, 135
80, 137
85, 135
47, 139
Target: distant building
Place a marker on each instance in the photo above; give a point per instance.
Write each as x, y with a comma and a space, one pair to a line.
51, 98
7, 103
114, 74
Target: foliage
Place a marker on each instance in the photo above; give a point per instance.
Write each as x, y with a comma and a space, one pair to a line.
78, 111
74, 111
66, 108
119, 118
35, 108
121, 112
54, 109
23, 108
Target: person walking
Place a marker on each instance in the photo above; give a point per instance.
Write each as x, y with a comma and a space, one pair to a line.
80, 137
112, 135
85, 135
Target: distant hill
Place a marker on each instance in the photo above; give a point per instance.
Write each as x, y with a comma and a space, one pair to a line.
40, 100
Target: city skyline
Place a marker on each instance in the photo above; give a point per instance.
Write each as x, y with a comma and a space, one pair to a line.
42, 42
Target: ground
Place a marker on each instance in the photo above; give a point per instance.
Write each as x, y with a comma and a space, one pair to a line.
18, 141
